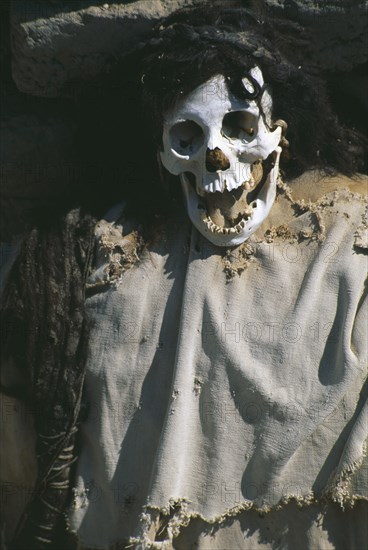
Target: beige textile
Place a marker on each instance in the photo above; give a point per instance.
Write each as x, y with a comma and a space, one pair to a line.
315, 527
224, 384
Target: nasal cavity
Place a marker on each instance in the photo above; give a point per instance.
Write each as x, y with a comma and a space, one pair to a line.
216, 160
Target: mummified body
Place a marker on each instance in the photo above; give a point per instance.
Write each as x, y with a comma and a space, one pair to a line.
204, 359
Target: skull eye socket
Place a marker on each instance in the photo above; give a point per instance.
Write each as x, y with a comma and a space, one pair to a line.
186, 137
240, 125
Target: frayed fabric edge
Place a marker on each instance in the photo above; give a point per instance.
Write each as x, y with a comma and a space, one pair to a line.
339, 486
361, 235
178, 509
181, 516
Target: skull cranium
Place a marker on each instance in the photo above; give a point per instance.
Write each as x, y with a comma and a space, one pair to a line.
216, 143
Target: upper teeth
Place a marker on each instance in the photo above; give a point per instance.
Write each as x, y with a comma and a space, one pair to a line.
218, 186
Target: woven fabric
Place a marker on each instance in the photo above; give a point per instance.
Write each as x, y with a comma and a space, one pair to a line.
220, 382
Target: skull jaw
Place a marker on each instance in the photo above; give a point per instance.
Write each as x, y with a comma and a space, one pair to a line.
231, 237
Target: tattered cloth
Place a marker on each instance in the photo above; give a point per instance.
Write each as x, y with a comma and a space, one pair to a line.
214, 391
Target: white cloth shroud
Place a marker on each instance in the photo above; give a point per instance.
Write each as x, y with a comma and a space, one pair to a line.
224, 393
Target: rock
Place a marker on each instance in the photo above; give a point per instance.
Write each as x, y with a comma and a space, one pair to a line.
339, 29
54, 43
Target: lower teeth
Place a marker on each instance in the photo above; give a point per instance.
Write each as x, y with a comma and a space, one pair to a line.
214, 228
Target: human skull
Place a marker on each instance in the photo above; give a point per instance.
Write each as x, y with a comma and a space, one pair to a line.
216, 143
